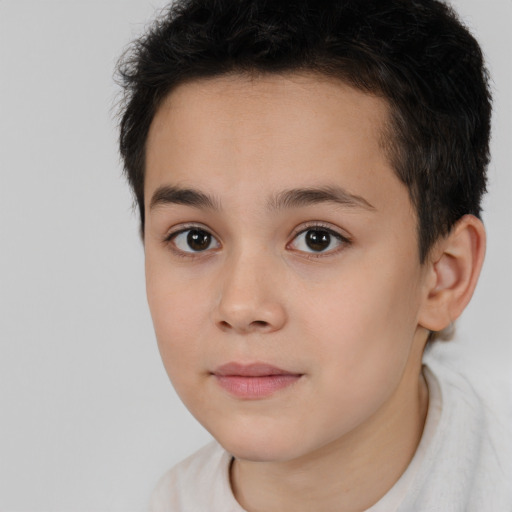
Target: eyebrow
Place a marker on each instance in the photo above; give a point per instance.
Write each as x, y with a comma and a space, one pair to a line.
298, 197
186, 196
293, 198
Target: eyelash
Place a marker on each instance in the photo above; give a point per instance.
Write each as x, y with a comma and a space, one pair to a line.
320, 226
168, 241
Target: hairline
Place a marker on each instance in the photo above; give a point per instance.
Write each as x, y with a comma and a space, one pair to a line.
387, 136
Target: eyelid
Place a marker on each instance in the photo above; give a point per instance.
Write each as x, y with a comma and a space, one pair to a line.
185, 226
173, 232
335, 230
182, 228
344, 239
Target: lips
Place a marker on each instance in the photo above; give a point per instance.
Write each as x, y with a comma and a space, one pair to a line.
253, 381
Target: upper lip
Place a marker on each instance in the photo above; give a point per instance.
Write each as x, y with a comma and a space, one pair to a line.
250, 370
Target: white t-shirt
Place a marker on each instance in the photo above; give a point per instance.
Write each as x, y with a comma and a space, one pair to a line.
463, 462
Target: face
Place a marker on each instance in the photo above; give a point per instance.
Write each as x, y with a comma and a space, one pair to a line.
282, 267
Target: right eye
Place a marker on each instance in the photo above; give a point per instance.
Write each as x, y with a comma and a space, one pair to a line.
193, 240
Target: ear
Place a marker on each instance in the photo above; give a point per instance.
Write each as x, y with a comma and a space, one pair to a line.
452, 273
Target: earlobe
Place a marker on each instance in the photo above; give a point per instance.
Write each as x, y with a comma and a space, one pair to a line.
453, 273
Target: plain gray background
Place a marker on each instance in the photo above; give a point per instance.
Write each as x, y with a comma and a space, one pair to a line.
88, 420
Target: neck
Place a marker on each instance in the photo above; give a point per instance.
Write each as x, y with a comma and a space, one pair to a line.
349, 474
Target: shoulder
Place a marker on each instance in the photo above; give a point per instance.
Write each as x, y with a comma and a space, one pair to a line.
482, 406
471, 454
199, 482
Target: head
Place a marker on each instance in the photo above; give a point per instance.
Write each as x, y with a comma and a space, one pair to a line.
417, 56
309, 177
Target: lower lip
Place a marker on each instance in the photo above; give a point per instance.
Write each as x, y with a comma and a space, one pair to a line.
255, 387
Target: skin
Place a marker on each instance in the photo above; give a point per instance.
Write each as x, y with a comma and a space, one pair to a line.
347, 319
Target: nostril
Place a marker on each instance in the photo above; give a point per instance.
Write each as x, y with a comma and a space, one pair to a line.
259, 323
254, 325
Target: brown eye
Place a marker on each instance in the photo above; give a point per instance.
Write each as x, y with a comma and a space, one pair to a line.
198, 240
318, 240
194, 240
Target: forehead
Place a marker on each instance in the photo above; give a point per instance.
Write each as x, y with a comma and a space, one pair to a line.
269, 103
236, 131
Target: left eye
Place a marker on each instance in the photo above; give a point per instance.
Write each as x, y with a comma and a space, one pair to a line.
317, 240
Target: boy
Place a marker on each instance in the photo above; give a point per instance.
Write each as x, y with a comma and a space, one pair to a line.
309, 177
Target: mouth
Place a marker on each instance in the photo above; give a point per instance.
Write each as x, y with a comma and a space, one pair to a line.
253, 381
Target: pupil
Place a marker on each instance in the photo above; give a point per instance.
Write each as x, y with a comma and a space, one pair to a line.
318, 240
198, 240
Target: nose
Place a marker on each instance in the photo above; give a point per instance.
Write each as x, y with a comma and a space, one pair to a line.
249, 301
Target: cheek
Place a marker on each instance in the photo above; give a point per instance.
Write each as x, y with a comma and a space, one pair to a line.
363, 321
179, 312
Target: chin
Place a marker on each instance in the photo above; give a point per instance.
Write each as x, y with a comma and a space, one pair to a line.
258, 444
258, 450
